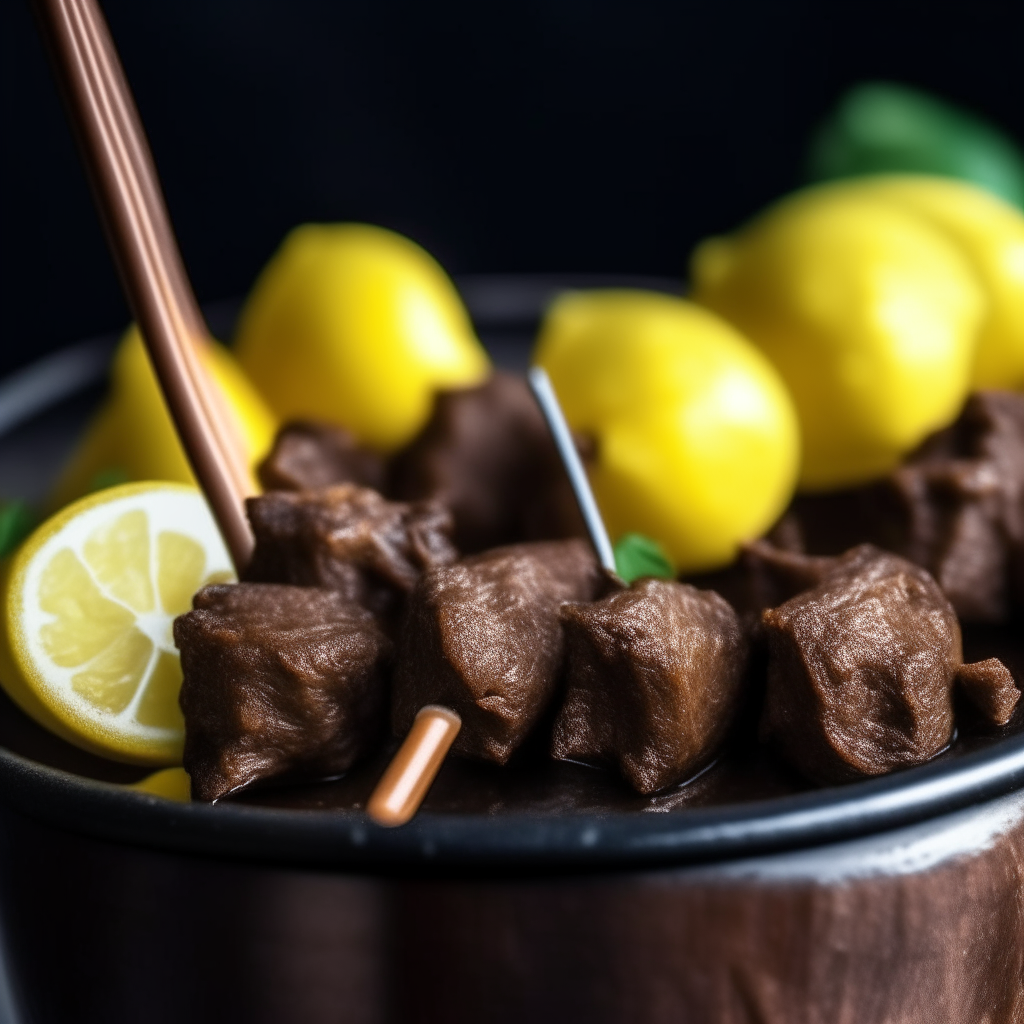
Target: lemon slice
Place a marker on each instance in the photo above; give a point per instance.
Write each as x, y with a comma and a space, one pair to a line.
90, 598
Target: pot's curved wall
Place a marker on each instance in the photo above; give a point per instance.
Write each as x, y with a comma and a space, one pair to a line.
921, 925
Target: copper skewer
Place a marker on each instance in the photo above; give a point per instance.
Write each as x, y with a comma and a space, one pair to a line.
127, 193
137, 147
397, 796
405, 782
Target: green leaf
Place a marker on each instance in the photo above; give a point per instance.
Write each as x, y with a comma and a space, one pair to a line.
16, 523
884, 127
637, 556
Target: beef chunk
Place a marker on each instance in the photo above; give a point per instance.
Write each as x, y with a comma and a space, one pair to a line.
764, 576
348, 539
654, 681
955, 507
989, 686
961, 507
861, 669
483, 638
279, 682
486, 453
308, 456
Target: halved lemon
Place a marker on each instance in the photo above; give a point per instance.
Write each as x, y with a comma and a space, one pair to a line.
86, 646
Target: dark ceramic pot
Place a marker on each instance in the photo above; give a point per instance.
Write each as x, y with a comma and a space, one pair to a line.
879, 901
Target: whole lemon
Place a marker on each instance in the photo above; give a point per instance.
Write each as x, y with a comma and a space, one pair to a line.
697, 444
358, 326
132, 437
990, 234
869, 313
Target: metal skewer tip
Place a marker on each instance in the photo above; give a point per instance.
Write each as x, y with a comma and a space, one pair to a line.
540, 385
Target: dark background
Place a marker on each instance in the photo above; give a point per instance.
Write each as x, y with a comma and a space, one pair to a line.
541, 135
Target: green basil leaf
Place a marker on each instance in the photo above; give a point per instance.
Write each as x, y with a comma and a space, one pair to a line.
637, 556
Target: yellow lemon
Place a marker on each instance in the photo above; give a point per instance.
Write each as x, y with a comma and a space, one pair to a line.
89, 599
358, 326
133, 437
869, 313
697, 444
170, 783
990, 234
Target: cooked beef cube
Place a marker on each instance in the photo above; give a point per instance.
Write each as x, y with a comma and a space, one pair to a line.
955, 507
655, 677
486, 453
307, 456
764, 576
861, 669
349, 539
280, 682
961, 507
483, 638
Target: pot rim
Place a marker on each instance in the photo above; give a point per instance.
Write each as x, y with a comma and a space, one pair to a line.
553, 842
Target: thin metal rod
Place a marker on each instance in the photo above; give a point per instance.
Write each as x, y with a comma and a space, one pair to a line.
127, 194
540, 385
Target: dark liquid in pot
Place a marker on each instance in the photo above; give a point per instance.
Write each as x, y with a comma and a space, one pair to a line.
532, 782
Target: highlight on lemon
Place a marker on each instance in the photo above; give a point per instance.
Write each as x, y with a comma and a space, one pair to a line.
86, 645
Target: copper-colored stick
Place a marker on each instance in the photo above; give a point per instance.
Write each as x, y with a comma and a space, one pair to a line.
403, 786
138, 230
134, 137
137, 146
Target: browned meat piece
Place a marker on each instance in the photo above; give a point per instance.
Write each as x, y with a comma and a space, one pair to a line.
861, 669
764, 576
989, 686
655, 675
955, 507
961, 502
348, 539
307, 456
280, 682
482, 637
486, 453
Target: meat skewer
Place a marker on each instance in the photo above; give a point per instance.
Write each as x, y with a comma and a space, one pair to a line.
127, 194
501, 711
540, 385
